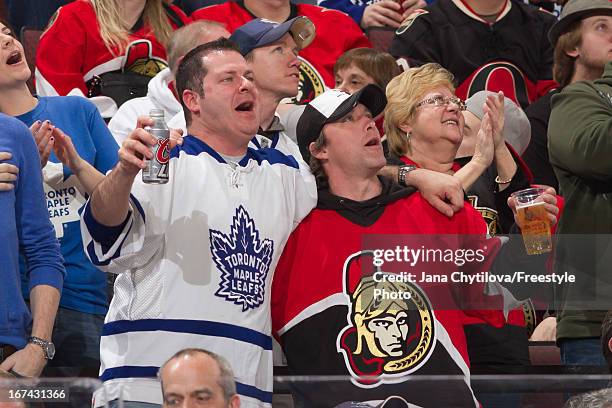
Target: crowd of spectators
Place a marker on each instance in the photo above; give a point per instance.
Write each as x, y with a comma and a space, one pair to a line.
294, 146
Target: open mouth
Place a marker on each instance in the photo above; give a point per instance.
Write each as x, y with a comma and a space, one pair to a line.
14, 58
375, 141
245, 107
451, 122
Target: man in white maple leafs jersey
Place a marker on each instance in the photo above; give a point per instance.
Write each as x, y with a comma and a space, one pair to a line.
195, 256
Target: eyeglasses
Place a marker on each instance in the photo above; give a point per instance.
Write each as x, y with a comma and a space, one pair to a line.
439, 101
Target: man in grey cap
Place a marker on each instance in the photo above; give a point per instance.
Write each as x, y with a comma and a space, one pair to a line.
581, 155
582, 46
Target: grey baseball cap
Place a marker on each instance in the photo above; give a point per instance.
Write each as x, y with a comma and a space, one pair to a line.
576, 10
517, 129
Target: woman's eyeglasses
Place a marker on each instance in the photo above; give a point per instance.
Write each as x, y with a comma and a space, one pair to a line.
439, 101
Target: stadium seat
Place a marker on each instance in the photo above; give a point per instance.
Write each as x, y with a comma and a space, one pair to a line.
29, 39
3, 11
381, 37
544, 353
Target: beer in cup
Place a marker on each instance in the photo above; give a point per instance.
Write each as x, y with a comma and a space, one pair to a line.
535, 225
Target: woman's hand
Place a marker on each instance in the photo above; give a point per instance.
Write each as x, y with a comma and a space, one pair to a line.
485, 146
549, 198
494, 106
42, 132
65, 151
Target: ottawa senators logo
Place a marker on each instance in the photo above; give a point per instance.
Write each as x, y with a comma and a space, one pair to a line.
391, 328
498, 76
409, 20
311, 83
489, 215
140, 60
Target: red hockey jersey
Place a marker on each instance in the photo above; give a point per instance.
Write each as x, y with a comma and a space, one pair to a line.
329, 320
71, 51
336, 33
512, 54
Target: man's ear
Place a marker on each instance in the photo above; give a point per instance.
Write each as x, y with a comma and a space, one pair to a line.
575, 53
191, 100
234, 402
320, 154
610, 344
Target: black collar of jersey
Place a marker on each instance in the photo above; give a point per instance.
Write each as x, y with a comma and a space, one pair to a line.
171, 14
292, 13
364, 213
138, 25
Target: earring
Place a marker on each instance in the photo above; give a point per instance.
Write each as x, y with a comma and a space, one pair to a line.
408, 136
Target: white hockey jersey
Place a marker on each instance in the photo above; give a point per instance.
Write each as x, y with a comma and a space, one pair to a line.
195, 260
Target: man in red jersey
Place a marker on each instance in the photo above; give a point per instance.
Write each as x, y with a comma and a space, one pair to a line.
336, 33
337, 310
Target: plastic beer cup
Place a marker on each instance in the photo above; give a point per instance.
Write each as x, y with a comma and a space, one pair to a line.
535, 225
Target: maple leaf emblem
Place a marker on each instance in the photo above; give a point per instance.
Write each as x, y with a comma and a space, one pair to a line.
244, 261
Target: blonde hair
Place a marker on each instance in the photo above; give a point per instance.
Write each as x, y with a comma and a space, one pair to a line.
403, 93
114, 32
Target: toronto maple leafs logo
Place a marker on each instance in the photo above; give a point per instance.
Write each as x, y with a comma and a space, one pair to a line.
244, 261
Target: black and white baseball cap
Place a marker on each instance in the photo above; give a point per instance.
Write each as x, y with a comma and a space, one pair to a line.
331, 106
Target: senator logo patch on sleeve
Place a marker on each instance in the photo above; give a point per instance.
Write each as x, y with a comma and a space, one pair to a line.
409, 20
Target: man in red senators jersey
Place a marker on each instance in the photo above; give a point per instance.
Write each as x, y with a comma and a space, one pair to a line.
339, 305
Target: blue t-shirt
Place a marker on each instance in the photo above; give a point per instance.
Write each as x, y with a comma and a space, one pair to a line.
25, 227
85, 285
354, 8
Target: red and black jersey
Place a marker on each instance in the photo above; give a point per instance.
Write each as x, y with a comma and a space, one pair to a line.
336, 34
512, 54
329, 321
71, 51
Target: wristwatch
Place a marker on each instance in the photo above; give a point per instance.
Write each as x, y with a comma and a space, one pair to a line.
402, 172
47, 346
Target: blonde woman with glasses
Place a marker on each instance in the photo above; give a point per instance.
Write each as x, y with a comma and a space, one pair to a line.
88, 39
425, 125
